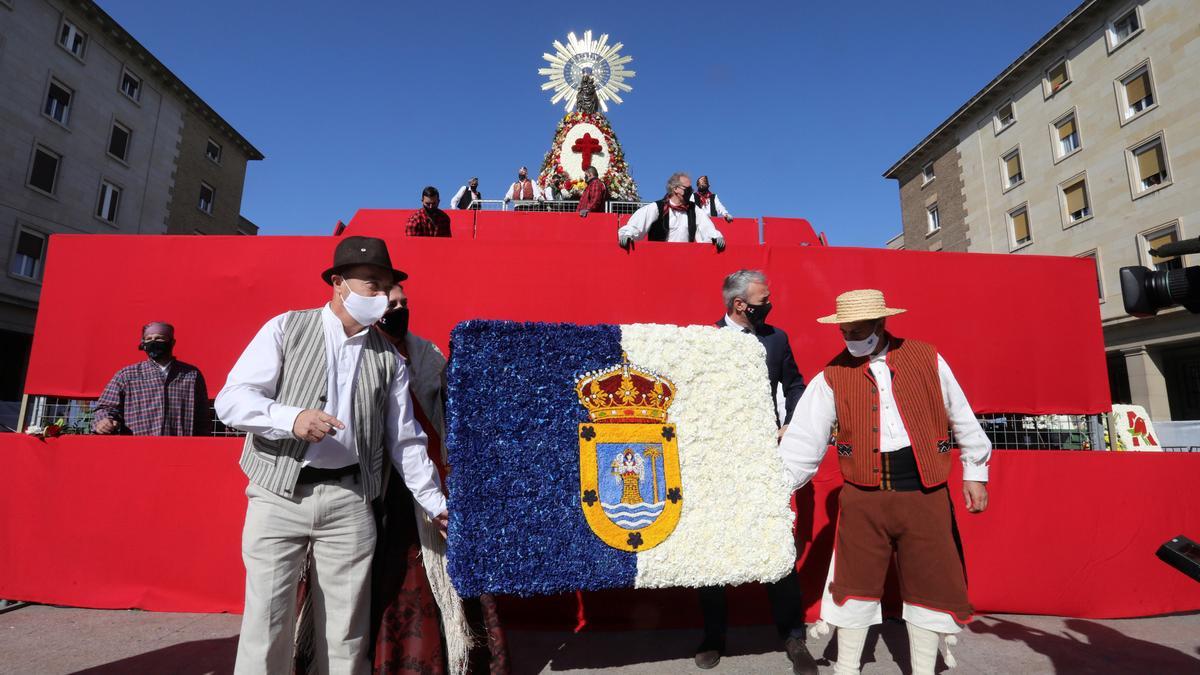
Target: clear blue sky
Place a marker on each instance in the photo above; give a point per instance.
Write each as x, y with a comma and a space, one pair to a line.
793, 108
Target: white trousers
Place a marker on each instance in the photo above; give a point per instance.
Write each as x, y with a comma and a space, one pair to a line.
339, 524
863, 613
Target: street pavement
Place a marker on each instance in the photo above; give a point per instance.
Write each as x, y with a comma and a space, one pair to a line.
39, 640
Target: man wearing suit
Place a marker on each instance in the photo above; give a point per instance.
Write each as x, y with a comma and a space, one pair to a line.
748, 301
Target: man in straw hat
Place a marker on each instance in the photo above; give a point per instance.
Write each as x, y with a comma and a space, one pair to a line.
893, 401
322, 396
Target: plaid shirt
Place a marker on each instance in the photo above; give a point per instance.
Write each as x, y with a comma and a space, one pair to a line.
147, 402
422, 225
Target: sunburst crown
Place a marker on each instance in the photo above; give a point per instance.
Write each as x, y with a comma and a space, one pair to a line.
569, 62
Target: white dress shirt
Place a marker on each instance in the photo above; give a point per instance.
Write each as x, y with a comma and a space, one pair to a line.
457, 196
247, 402
677, 224
721, 210
513, 189
807, 438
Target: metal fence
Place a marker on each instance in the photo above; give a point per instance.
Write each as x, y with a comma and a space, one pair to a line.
1006, 431
1015, 431
76, 415
624, 208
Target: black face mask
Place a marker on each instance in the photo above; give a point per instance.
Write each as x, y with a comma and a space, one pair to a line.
429, 209
703, 189
758, 313
156, 350
687, 194
395, 323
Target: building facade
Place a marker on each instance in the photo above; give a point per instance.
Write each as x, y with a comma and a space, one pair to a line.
1088, 146
99, 137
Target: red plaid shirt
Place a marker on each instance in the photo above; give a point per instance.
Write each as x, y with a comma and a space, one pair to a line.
421, 224
147, 402
594, 196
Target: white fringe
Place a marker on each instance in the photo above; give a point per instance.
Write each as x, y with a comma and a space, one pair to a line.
948, 641
459, 638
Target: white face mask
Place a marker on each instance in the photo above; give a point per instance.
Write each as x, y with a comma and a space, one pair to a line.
365, 310
862, 348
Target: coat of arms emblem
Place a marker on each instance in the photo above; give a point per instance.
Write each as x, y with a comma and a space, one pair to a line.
629, 486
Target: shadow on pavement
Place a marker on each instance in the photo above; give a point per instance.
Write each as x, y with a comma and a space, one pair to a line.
616, 649
1101, 650
187, 658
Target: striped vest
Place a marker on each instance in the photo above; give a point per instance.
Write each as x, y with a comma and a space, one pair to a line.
917, 389
303, 382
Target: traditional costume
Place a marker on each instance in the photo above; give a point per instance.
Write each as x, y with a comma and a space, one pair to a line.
664, 221
893, 410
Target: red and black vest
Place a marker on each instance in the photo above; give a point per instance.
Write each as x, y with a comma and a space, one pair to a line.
917, 389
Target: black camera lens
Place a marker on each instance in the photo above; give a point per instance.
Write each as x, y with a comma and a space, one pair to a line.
1147, 291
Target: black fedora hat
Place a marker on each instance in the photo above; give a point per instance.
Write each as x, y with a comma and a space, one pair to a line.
353, 251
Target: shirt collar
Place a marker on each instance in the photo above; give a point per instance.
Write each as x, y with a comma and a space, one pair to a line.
332, 322
730, 323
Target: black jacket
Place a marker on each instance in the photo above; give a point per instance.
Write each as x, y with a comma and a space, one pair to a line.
781, 368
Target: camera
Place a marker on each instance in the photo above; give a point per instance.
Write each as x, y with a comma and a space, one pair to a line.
1146, 291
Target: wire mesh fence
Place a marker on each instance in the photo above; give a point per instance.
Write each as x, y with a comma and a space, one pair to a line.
1006, 431
75, 416
623, 208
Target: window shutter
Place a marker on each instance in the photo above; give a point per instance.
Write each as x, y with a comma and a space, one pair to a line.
1150, 162
1076, 197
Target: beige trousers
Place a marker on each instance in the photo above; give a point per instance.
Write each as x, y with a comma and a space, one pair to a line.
333, 517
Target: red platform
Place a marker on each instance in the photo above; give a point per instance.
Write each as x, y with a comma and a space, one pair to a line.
155, 523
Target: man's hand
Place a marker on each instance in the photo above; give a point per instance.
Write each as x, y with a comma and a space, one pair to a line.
106, 425
728, 218
719, 242
312, 425
443, 522
625, 241
782, 431
976, 496
583, 213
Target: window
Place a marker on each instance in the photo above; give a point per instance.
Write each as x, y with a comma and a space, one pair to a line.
213, 151
109, 202
1124, 28
131, 85
1012, 169
207, 195
1162, 237
72, 39
58, 102
1075, 199
1068, 136
927, 173
1005, 116
1095, 258
1057, 77
118, 141
1018, 225
1136, 93
43, 173
30, 255
935, 222
1149, 166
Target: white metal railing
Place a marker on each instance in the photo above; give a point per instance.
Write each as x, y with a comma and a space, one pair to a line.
623, 207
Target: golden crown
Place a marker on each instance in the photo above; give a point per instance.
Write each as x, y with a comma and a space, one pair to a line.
625, 393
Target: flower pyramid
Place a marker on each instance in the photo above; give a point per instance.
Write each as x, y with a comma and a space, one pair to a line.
582, 139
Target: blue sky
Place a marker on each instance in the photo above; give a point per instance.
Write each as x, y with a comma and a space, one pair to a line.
793, 108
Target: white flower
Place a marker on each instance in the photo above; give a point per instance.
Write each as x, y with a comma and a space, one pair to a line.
736, 523
35, 430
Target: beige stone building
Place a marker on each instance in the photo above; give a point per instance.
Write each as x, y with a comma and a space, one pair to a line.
1087, 145
98, 137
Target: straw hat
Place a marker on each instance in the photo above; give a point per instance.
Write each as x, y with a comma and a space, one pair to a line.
861, 305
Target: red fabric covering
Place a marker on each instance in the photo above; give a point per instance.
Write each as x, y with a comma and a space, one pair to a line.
534, 228
156, 524
982, 311
391, 223
788, 231
740, 231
